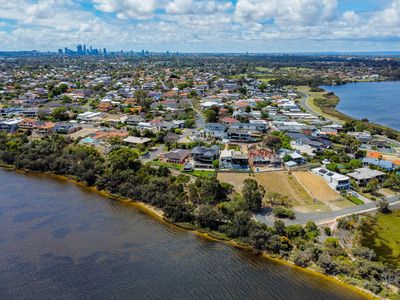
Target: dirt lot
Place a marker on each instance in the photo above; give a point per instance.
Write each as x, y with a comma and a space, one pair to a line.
279, 182
282, 183
318, 188
236, 179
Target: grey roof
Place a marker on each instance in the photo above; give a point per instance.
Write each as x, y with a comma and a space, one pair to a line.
365, 173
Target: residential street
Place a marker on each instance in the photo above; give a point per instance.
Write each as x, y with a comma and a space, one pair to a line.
266, 216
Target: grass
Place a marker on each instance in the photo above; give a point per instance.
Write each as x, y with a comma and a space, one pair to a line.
324, 104
234, 147
384, 237
355, 200
202, 173
178, 167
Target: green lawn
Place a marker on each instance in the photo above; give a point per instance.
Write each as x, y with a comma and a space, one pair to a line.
169, 165
384, 237
355, 200
202, 173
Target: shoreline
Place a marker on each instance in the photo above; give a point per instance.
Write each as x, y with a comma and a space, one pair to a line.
157, 214
332, 113
358, 82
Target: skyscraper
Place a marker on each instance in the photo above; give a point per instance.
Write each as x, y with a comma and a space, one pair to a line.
84, 48
79, 49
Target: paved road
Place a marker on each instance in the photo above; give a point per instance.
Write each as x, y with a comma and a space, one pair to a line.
266, 216
396, 143
304, 103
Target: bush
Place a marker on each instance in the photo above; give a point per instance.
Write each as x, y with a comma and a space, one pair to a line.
383, 206
282, 212
301, 258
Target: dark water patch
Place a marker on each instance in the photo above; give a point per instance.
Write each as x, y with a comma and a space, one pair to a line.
29, 216
86, 247
60, 233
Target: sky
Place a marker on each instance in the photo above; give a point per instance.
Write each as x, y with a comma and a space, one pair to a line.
254, 26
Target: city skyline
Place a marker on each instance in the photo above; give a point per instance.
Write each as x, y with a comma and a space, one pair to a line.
240, 26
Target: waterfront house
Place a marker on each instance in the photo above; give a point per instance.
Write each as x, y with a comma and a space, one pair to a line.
233, 160
336, 181
177, 156
204, 156
364, 175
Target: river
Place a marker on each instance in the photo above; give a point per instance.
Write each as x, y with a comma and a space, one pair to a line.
379, 102
61, 241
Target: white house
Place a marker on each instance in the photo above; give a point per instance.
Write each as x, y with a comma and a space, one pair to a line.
336, 181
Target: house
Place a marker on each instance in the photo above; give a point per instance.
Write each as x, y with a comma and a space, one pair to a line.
264, 157
336, 181
137, 140
381, 163
203, 156
10, 125
290, 126
229, 121
364, 137
177, 156
134, 120
239, 135
27, 123
233, 160
364, 175
44, 129
215, 129
297, 158
253, 125
147, 126
66, 128
89, 116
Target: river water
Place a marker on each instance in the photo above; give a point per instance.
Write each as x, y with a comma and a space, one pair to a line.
62, 241
379, 102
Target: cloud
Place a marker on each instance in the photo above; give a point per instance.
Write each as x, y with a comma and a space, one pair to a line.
285, 12
126, 9
204, 25
196, 7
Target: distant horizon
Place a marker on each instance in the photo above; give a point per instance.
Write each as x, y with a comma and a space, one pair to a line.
216, 52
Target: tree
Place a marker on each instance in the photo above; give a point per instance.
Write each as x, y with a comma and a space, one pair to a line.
211, 116
383, 206
276, 199
372, 186
327, 264
60, 114
124, 158
273, 142
253, 194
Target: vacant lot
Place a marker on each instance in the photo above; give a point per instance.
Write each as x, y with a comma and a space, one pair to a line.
283, 183
279, 182
236, 179
318, 188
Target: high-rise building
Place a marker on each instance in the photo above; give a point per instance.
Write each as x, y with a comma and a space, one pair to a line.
84, 48
79, 49
104, 51
60, 51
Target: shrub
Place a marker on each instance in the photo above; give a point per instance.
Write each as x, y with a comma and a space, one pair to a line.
282, 212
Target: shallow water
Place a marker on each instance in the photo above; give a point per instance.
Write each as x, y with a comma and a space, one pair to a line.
61, 241
379, 102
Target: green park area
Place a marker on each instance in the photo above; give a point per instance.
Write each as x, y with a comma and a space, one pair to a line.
383, 237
